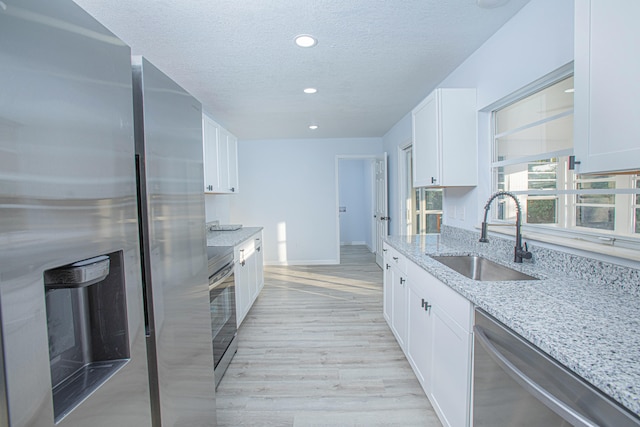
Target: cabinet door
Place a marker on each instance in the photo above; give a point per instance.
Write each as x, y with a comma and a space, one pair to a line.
607, 87
458, 148
451, 369
399, 309
259, 264
232, 163
243, 290
387, 287
210, 154
223, 160
419, 336
426, 163
444, 139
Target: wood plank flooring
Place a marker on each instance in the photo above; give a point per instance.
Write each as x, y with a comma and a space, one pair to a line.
315, 350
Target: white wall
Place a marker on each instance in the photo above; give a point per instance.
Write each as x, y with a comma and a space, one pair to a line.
355, 196
217, 207
289, 187
535, 42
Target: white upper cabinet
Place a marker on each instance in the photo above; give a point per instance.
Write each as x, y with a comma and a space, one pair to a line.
210, 131
607, 87
232, 162
220, 158
445, 150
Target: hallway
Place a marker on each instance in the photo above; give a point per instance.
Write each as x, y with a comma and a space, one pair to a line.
315, 351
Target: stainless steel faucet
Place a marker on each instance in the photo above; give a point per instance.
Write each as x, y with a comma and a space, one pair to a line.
519, 252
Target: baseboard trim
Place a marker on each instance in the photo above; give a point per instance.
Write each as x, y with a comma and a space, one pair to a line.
303, 262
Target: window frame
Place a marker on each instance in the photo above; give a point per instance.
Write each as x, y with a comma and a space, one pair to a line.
566, 197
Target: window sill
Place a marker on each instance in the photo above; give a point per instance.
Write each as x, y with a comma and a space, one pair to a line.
593, 249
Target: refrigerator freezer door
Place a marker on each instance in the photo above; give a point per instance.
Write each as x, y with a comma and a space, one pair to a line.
67, 194
169, 148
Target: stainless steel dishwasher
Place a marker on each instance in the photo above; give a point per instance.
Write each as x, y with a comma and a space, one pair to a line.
517, 385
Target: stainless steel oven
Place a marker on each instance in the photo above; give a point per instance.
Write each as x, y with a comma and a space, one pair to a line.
222, 302
516, 384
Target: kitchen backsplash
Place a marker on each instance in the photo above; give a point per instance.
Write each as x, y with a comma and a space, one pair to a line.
566, 264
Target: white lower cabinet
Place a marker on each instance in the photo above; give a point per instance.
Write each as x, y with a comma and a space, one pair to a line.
395, 294
451, 370
387, 280
249, 274
259, 264
399, 312
438, 340
419, 336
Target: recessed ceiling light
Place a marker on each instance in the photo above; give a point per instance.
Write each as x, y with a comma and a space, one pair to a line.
571, 90
310, 90
313, 127
305, 40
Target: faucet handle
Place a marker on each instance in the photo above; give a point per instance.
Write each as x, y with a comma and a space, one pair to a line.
525, 252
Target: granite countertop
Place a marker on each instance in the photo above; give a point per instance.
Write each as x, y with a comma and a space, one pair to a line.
231, 238
590, 326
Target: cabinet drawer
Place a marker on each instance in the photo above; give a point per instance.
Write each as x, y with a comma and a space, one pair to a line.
395, 258
457, 307
420, 280
448, 301
245, 249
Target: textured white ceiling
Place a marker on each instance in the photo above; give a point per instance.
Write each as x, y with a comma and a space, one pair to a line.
375, 59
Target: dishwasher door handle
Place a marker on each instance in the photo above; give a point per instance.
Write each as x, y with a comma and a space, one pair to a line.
549, 400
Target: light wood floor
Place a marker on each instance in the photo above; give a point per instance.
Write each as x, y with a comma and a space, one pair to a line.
315, 350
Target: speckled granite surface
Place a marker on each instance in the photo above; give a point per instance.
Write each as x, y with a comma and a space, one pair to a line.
584, 313
231, 238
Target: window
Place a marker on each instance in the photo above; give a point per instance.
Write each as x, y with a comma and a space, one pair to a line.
423, 205
532, 142
427, 210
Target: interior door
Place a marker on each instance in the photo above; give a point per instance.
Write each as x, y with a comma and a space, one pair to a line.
381, 214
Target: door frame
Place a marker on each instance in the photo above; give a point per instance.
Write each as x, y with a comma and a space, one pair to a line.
372, 158
402, 186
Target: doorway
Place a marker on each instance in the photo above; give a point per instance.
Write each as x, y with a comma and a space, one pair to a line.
361, 201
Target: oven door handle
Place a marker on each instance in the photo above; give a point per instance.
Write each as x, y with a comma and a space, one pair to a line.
549, 400
221, 275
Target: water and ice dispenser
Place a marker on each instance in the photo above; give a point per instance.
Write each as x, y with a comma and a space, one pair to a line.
87, 327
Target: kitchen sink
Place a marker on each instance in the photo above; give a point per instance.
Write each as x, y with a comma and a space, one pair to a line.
481, 269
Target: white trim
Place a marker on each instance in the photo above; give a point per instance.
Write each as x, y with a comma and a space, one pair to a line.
336, 207
372, 205
536, 86
356, 243
402, 174
304, 262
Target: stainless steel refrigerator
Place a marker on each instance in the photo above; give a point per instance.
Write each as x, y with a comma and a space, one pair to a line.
168, 125
78, 347
71, 303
